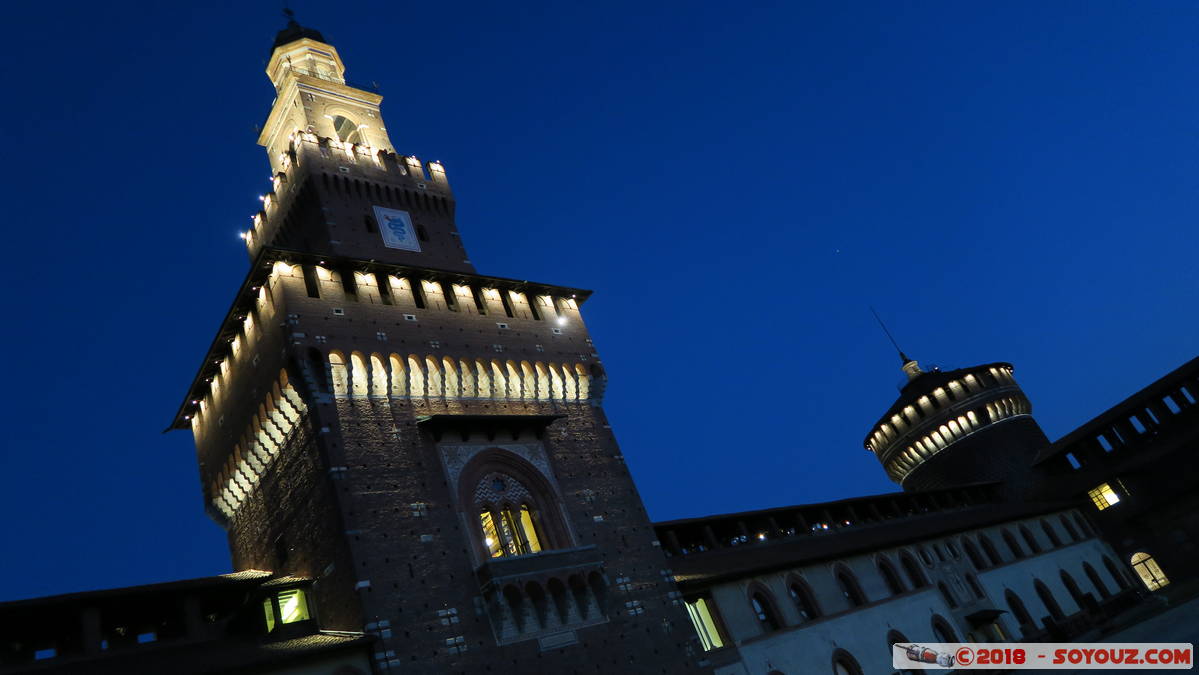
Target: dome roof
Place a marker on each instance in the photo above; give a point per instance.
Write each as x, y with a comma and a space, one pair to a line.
294, 31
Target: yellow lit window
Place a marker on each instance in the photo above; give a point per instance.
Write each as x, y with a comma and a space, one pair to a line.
529, 531
1150, 572
293, 606
1104, 496
705, 624
491, 538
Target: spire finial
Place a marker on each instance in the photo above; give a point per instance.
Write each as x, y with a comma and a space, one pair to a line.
289, 13
910, 367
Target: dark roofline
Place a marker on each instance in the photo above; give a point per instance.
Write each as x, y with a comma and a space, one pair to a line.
724, 564
1113, 413
259, 272
850, 501
244, 578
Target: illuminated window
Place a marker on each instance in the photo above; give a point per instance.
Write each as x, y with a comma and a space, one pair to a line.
508, 518
1104, 496
290, 606
764, 611
1150, 572
293, 606
706, 624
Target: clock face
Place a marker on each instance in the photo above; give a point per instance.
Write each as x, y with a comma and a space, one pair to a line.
396, 229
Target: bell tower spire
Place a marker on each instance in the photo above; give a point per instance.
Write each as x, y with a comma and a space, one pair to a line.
338, 187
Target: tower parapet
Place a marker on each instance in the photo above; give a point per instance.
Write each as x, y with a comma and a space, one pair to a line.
956, 427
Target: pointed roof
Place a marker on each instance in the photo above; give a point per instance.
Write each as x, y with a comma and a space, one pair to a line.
294, 31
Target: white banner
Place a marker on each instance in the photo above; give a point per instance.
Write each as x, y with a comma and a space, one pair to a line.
396, 228
1042, 656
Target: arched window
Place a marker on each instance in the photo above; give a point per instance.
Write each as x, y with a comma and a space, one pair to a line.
850, 588
1050, 534
975, 587
942, 630
1083, 527
894, 637
804, 601
1016, 605
1013, 545
347, 130
947, 595
515, 507
1071, 533
1095, 580
990, 550
764, 610
1072, 588
1114, 570
912, 568
845, 664
1149, 571
972, 553
1047, 599
1030, 540
890, 576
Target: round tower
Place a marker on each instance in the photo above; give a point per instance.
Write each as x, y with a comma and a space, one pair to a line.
957, 427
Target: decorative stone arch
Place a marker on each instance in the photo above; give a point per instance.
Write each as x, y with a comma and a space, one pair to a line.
802, 596
1096, 580
851, 589
339, 374
1019, 611
379, 383
498, 489
989, 549
1033, 547
765, 610
912, 568
1047, 599
942, 631
890, 575
843, 663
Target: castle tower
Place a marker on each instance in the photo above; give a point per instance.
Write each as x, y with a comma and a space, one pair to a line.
427, 444
957, 427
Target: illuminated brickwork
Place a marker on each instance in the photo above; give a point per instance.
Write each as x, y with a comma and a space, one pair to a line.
364, 385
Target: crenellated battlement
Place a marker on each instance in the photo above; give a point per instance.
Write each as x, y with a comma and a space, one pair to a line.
347, 168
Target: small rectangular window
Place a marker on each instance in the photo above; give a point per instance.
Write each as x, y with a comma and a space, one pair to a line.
43, 654
502, 326
480, 305
706, 624
1136, 424
349, 284
506, 299
310, 282
293, 606
418, 293
1104, 496
1169, 401
384, 288
410, 317
451, 299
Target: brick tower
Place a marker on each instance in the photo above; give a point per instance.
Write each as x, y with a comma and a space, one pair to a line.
424, 442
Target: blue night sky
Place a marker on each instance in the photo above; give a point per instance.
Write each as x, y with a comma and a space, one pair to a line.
1004, 181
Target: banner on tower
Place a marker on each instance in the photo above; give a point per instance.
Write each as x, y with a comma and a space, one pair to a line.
396, 228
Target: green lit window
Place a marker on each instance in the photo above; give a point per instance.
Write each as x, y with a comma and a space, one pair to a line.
706, 625
290, 606
293, 606
268, 608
